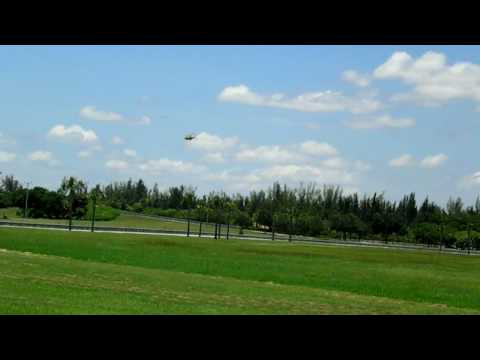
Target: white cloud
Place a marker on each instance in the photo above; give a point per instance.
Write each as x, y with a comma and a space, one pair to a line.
335, 163
471, 180
74, 133
7, 156
117, 164
144, 120
402, 161
322, 101
306, 173
433, 161
208, 142
433, 80
5, 140
361, 166
275, 154
316, 148
130, 152
169, 166
312, 126
41, 156
382, 122
355, 78
84, 154
91, 113
216, 158
117, 140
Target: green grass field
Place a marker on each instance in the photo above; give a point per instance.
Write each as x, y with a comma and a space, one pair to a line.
44, 272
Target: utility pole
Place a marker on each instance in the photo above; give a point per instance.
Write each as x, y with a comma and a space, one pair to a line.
94, 210
26, 201
273, 228
290, 227
70, 216
228, 222
470, 242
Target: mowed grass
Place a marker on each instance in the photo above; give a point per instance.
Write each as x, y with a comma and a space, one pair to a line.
39, 284
127, 221
157, 274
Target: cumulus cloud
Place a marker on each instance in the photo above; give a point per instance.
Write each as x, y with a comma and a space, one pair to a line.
402, 161
85, 154
384, 121
117, 164
290, 173
273, 153
471, 180
297, 173
209, 142
312, 126
74, 133
41, 156
117, 140
433, 161
170, 166
5, 140
303, 152
361, 166
144, 120
316, 148
7, 156
335, 163
433, 80
216, 158
130, 152
356, 78
91, 113
44, 157
322, 101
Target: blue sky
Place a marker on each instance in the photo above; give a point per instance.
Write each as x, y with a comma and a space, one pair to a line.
369, 118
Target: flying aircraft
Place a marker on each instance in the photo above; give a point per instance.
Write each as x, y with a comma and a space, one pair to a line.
190, 137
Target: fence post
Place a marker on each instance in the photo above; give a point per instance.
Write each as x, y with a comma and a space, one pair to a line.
215, 232
228, 229
188, 227
219, 231
200, 230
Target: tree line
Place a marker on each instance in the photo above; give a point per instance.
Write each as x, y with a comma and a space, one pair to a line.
303, 210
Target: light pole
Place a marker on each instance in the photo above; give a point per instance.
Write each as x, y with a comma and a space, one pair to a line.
94, 205
470, 241
26, 202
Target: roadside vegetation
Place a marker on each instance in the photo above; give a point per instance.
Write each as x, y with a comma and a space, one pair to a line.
307, 210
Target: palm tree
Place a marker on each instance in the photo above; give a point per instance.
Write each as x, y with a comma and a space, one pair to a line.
72, 189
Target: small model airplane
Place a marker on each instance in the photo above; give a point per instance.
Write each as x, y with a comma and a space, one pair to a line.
190, 137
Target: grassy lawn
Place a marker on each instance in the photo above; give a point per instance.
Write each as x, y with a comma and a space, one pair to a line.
45, 271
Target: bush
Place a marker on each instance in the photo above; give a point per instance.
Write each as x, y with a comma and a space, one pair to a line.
463, 241
102, 213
